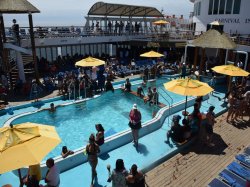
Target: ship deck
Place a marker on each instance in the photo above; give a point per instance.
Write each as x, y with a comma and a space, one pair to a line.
197, 165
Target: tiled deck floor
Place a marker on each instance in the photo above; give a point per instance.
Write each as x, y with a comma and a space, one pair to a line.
198, 165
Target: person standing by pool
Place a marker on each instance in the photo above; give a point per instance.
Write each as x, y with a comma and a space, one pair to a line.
109, 86
92, 150
135, 123
210, 116
52, 177
155, 97
149, 95
135, 178
118, 176
183, 70
99, 139
127, 86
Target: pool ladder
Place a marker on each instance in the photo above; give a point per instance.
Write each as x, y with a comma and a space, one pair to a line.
169, 104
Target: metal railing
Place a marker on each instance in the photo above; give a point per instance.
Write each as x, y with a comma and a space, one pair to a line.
169, 107
172, 101
70, 90
83, 31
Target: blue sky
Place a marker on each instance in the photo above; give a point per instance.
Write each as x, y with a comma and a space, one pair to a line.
72, 12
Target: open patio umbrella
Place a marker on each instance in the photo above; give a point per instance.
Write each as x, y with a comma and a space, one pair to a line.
152, 54
188, 87
25, 144
214, 39
160, 22
89, 62
230, 70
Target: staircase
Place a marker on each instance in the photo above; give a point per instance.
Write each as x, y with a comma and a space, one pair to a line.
28, 70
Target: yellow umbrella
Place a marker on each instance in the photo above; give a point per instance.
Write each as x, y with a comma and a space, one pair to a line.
230, 70
90, 61
25, 144
161, 22
188, 87
152, 54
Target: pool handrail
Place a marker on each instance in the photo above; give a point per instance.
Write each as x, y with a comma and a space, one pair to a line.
172, 101
169, 106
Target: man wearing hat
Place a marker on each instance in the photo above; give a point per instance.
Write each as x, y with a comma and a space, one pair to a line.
175, 132
135, 123
210, 116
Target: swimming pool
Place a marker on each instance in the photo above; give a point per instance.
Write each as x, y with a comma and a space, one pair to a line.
75, 122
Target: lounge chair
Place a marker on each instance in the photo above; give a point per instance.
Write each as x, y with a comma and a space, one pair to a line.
217, 183
239, 170
232, 179
244, 159
247, 150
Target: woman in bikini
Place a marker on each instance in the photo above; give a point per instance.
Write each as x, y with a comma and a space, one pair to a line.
92, 149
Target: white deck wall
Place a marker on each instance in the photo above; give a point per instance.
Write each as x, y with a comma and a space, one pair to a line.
233, 23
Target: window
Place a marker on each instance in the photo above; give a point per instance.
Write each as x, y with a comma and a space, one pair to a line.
195, 9
54, 53
64, 51
229, 6
222, 6
43, 53
236, 9
211, 2
216, 5
48, 54
69, 50
199, 9
38, 53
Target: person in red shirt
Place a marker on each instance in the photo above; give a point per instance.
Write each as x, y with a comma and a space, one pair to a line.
135, 123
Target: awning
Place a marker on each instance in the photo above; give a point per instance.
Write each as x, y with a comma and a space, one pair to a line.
108, 9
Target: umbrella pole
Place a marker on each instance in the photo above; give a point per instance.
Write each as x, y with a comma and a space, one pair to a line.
20, 178
186, 106
229, 84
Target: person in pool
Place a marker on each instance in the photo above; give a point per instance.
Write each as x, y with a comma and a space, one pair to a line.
52, 107
66, 152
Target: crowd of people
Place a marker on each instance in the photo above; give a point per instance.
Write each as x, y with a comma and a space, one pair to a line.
192, 125
238, 98
116, 28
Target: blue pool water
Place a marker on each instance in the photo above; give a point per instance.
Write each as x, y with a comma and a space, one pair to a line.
74, 123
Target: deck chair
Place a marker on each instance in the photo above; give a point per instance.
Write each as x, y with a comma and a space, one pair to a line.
247, 150
217, 183
244, 159
232, 179
239, 170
